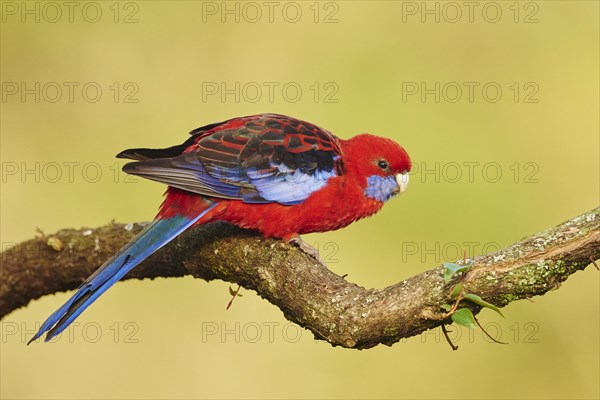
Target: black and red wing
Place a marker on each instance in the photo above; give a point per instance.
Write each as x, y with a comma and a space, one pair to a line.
261, 158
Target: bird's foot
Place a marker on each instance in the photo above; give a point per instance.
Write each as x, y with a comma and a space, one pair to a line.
307, 249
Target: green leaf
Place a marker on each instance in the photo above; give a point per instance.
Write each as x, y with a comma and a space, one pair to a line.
478, 300
464, 317
231, 291
446, 307
453, 269
457, 289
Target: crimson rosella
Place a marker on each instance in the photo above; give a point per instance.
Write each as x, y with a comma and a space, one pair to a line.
272, 173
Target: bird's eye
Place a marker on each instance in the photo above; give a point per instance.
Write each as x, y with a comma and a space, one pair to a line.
382, 164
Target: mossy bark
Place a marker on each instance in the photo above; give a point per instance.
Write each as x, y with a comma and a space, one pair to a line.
309, 294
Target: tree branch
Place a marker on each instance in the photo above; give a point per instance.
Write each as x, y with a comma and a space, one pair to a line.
309, 294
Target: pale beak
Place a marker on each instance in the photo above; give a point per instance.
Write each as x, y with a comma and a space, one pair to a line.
402, 180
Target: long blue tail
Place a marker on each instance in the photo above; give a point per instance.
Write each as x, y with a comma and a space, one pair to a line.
152, 238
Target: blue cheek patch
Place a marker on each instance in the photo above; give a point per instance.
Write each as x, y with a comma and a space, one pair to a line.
381, 187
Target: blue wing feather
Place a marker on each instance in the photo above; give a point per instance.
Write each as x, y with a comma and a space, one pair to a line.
288, 188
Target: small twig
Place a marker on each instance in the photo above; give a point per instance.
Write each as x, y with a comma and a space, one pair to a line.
455, 305
445, 332
485, 332
234, 295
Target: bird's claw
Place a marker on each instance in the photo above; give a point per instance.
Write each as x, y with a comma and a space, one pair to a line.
307, 249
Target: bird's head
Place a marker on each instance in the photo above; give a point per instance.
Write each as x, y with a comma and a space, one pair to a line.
380, 164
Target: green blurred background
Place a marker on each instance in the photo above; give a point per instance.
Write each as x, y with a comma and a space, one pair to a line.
160, 67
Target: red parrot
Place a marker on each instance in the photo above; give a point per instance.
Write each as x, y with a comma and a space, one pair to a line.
272, 173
